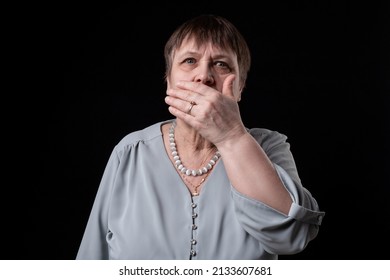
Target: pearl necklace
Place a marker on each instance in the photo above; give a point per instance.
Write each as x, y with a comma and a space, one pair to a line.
178, 163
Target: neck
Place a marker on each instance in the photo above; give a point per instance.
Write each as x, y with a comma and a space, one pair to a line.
188, 157
190, 141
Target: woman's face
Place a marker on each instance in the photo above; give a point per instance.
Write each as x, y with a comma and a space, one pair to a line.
206, 64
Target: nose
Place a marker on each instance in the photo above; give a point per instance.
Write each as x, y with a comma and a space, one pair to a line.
204, 75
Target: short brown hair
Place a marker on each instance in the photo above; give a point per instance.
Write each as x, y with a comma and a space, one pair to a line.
210, 28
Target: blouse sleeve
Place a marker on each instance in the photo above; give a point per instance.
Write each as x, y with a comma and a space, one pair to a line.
277, 232
93, 244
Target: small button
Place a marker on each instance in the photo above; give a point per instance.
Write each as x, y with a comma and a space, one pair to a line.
193, 253
193, 241
194, 215
193, 205
194, 226
319, 218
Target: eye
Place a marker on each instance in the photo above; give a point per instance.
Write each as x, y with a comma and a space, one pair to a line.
190, 60
222, 67
221, 64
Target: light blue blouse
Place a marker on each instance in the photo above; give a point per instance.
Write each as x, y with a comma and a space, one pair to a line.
144, 211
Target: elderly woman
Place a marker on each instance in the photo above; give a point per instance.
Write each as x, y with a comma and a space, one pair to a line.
201, 185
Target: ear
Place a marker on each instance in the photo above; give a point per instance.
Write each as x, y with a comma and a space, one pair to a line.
242, 86
168, 83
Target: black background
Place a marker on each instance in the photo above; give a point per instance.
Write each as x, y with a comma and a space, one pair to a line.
89, 73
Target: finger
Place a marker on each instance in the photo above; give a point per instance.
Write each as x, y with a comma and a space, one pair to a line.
184, 95
227, 88
193, 86
183, 116
180, 104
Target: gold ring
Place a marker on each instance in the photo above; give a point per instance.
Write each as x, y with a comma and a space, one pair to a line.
191, 105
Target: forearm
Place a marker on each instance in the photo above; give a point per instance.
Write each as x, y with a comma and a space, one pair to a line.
252, 173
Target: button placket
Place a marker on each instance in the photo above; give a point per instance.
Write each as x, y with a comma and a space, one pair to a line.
194, 228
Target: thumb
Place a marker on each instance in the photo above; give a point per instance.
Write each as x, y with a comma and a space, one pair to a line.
227, 88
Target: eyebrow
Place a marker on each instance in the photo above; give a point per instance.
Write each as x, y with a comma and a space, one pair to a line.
194, 53
189, 53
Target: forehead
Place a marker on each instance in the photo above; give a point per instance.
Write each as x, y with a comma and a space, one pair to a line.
191, 45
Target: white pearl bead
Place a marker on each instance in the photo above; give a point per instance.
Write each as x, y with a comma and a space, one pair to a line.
178, 163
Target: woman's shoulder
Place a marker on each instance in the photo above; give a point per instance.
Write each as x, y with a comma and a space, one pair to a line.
146, 134
263, 135
265, 132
